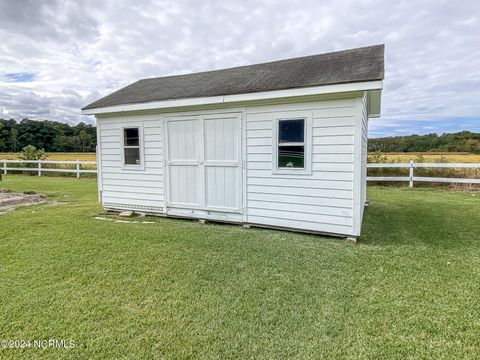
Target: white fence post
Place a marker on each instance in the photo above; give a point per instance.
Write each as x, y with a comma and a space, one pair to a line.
40, 169
411, 178
411, 174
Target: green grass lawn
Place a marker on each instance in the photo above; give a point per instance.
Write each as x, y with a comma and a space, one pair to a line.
179, 289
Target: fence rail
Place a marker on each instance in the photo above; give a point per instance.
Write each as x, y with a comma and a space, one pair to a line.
411, 178
39, 169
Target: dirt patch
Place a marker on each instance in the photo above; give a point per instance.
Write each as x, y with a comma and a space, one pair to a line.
10, 200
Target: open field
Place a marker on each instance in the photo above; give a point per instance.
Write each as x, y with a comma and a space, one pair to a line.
458, 172
373, 157
397, 157
433, 157
179, 289
56, 156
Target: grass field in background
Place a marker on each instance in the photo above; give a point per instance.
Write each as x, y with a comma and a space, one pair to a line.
384, 157
427, 157
433, 157
179, 289
56, 156
397, 157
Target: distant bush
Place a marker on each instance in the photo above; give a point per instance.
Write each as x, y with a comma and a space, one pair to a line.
377, 158
30, 152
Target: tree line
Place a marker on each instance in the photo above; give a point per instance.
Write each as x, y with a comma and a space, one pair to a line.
54, 136
464, 141
51, 136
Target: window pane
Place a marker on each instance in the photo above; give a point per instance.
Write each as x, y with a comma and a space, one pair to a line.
291, 157
131, 137
132, 156
291, 131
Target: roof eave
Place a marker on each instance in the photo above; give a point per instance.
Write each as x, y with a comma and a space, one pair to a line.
225, 99
374, 103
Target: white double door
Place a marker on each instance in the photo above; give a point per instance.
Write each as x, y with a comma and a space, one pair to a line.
204, 162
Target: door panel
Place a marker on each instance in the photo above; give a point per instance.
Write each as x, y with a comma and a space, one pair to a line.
184, 139
204, 163
184, 150
222, 139
184, 189
222, 187
222, 162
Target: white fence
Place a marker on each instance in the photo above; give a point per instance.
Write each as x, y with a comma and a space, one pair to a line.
411, 166
39, 169
411, 178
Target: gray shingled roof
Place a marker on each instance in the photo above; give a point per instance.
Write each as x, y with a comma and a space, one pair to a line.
355, 65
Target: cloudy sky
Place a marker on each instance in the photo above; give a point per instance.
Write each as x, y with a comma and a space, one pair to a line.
57, 56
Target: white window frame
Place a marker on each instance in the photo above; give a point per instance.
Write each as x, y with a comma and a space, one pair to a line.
141, 166
307, 143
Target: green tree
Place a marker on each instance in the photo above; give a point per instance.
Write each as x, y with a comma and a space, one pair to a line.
2, 142
49, 135
14, 137
464, 141
84, 138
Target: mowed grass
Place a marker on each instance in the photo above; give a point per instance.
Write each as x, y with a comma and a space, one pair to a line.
179, 289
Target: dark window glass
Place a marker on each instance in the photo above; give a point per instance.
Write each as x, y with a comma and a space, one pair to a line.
291, 131
291, 156
131, 137
132, 156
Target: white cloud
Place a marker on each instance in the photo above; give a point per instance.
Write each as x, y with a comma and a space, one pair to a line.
81, 50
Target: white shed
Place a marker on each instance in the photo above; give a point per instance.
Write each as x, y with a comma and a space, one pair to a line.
280, 144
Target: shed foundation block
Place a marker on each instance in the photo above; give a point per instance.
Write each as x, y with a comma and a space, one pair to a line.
351, 240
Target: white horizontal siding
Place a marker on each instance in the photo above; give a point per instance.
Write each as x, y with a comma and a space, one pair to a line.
296, 207
299, 224
332, 149
363, 177
333, 202
301, 216
360, 146
321, 108
328, 158
114, 175
302, 191
135, 184
126, 188
320, 201
153, 167
137, 190
321, 175
303, 181
138, 203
